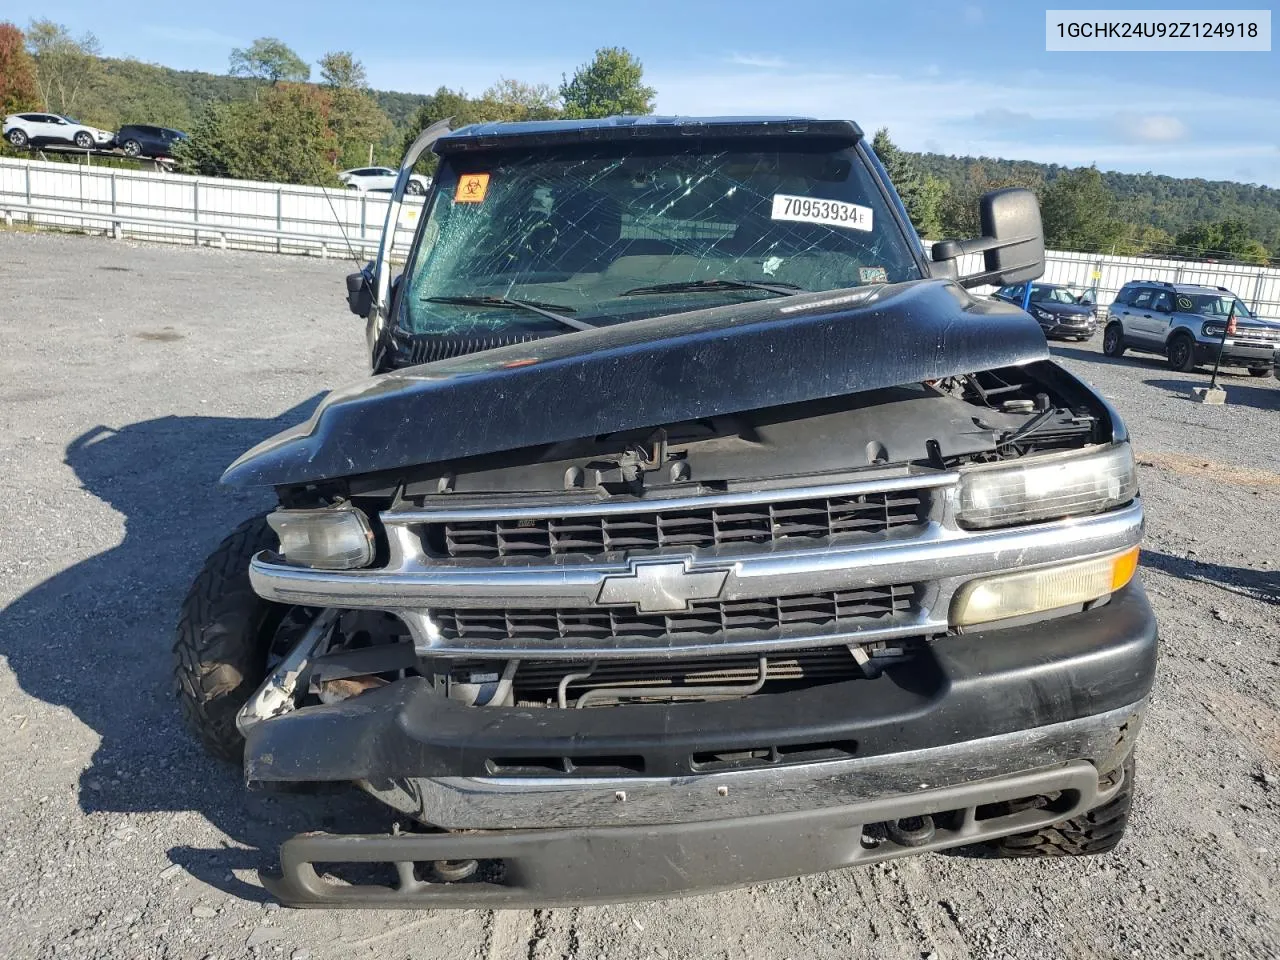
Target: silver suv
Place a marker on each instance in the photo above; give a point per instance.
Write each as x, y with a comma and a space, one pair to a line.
1186, 323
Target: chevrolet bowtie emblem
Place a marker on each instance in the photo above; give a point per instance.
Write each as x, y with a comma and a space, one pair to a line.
662, 586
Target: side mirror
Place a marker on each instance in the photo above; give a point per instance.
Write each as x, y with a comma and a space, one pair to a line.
360, 291
1012, 241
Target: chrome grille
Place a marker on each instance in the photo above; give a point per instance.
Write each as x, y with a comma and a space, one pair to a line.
862, 514
804, 614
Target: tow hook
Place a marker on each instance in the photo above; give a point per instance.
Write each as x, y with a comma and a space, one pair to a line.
911, 831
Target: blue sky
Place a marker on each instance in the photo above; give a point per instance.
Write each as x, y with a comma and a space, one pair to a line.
962, 77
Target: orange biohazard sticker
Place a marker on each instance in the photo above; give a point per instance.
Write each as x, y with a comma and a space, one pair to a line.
471, 188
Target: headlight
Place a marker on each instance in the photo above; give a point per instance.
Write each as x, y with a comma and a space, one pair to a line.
1048, 487
1035, 591
1042, 314
1213, 329
332, 538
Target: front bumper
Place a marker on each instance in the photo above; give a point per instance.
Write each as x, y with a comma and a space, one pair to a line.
1037, 711
1236, 354
1069, 329
581, 865
973, 706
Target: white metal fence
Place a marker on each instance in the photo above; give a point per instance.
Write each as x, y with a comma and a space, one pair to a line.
290, 219
242, 214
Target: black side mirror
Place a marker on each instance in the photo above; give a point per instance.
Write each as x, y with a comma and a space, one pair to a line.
360, 291
1012, 241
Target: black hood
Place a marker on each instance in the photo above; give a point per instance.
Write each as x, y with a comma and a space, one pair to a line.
647, 373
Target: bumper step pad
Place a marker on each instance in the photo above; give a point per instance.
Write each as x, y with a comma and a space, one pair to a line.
561, 867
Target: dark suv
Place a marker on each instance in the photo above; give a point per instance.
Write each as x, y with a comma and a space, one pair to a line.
1059, 312
142, 140
1187, 322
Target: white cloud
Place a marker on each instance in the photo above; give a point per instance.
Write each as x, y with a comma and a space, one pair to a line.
1002, 117
1159, 129
763, 61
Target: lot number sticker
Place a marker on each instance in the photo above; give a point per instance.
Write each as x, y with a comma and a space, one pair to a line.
835, 213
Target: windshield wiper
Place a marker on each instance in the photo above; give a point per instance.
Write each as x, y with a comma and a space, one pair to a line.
552, 311
695, 286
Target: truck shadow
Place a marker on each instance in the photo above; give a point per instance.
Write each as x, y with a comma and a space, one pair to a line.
1261, 585
95, 638
1095, 355
1238, 393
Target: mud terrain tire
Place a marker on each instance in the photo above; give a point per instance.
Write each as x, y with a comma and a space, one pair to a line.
1092, 832
223, 637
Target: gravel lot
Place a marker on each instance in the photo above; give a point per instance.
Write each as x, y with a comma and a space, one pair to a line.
133, 374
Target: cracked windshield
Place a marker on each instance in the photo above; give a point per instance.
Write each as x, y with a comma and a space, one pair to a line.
584, 239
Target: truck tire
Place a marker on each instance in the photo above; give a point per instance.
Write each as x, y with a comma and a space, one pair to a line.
1092, 832
1260, 371
1113, 340
1182, 353
223, 639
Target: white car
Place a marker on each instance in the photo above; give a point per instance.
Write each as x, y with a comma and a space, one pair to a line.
40, 128
381, 179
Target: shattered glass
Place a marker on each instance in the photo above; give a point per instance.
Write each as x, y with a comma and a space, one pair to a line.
574, 229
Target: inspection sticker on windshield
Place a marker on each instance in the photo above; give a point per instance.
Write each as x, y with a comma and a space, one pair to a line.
837, 213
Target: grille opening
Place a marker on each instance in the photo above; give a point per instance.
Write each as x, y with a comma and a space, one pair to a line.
598, 765
804, 613
865, 514
772, 756
537, 682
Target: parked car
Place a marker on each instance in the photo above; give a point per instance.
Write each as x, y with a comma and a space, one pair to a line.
21, 129
1061, 314
697, 531
1187, 323
381, 179
144, 140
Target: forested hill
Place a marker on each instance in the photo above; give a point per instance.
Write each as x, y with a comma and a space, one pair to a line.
1170, 203
129, 91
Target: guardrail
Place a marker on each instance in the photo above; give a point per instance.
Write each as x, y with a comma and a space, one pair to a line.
176, 208
293, 219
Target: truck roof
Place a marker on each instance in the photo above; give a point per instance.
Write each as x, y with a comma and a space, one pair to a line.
538, 133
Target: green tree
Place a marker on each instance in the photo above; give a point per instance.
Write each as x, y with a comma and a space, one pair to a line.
269, 59
441, 105
18, 89
283, 136
341, 70
958, 208
516, 100
921, 193
611, 84
355, 117
1077, 209
1228, 239
65, 66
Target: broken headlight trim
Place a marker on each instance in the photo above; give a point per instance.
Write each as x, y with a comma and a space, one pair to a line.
1047, 487
1048, 588
331, 538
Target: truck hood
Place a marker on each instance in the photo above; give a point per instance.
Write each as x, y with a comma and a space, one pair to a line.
647, 373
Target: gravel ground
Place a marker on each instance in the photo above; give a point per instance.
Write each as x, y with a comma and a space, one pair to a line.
133, 374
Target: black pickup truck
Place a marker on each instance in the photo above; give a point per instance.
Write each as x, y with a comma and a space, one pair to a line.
694, 530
